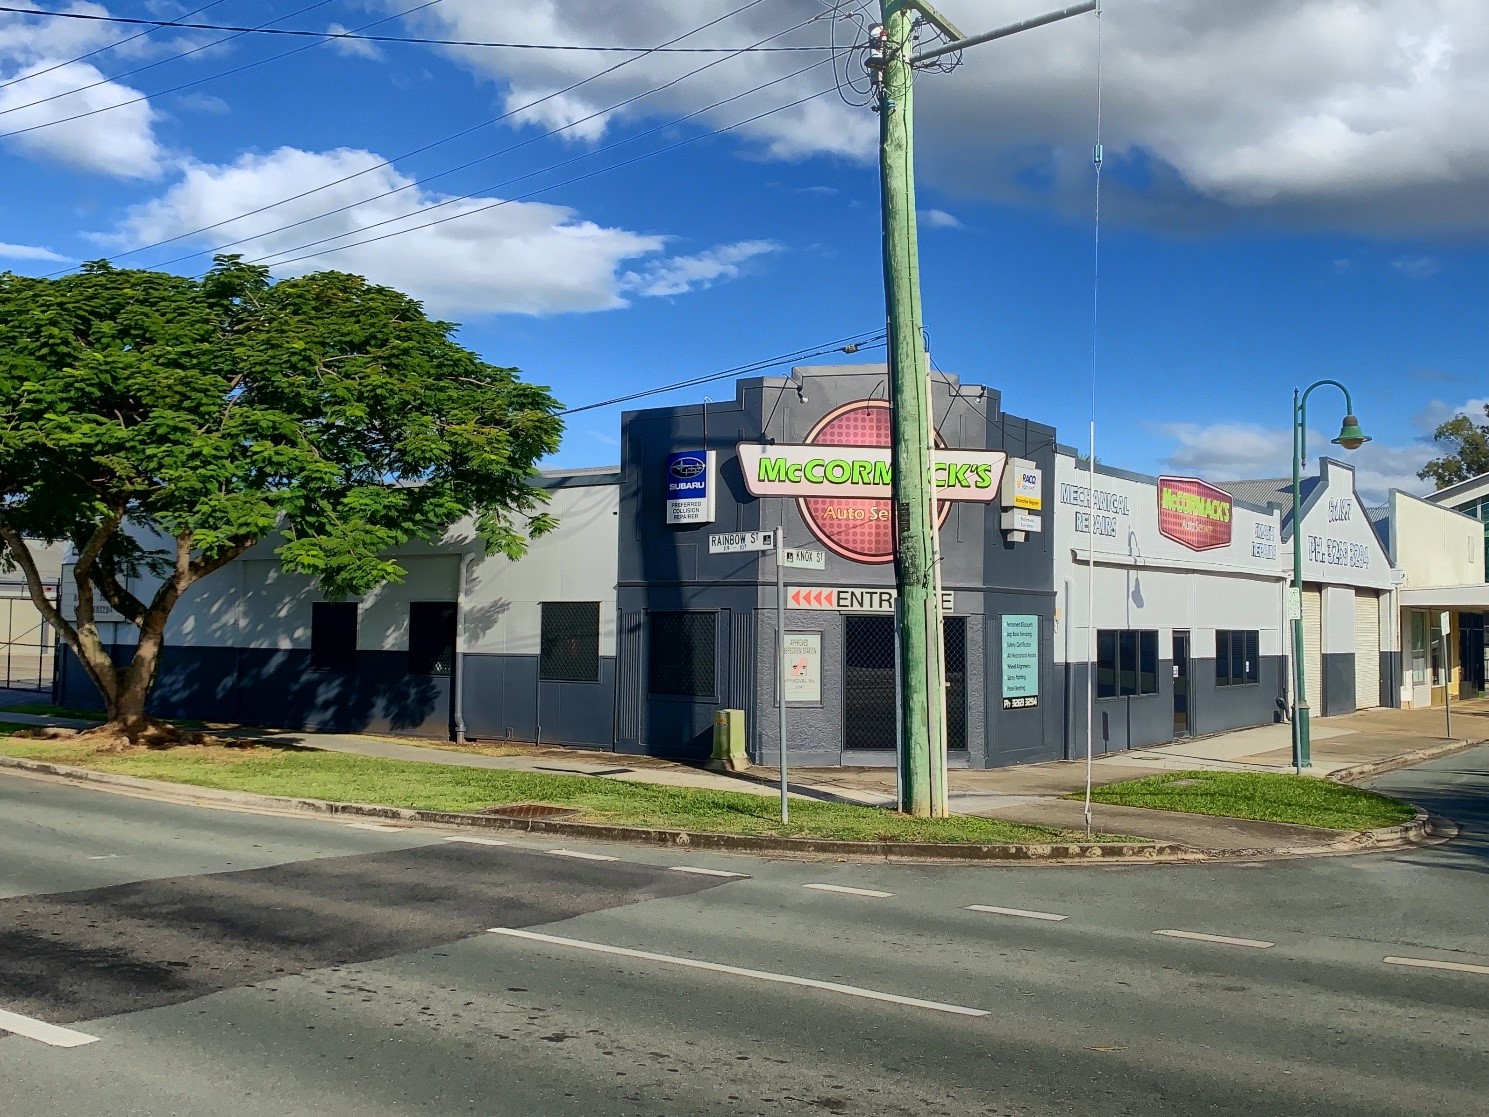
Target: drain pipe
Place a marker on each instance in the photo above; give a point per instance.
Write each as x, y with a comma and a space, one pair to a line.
459, 686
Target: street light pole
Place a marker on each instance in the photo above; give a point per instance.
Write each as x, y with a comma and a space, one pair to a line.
1351, 437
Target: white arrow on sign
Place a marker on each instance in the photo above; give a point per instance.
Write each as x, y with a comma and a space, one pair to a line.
805, 560
740, 542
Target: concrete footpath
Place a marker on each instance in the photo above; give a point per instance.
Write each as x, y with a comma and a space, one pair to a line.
1355, 745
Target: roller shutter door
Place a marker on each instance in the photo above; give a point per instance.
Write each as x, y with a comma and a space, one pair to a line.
1367, 649
1313, 648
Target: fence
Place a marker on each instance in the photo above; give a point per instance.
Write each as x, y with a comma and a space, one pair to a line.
28, 644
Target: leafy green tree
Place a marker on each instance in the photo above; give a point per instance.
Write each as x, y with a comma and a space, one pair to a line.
162, 425
1468, 444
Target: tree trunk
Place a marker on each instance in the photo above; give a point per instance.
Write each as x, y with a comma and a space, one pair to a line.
126, 701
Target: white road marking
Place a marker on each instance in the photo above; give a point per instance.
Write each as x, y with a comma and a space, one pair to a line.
1020, 912
1432, 964
1223, 940
372, 826
104, 857
705, 872
474, 841
870, 892
739, 971
581, 855
43, 1032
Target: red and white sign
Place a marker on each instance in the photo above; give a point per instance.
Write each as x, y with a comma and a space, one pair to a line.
1194, 513
847, 600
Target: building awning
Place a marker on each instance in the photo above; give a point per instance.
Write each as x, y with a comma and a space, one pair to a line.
1473, 597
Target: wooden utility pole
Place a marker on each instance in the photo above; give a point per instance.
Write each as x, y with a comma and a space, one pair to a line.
922, 655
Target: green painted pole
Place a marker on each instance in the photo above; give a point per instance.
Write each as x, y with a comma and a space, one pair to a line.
920, 661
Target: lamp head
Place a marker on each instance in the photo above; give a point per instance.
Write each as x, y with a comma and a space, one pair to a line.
1351, 437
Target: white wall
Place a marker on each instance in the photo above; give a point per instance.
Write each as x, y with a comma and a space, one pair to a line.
1339, 543
1434, 546
1143, 579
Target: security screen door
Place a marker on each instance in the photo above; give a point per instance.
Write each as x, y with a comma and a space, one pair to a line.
869, 715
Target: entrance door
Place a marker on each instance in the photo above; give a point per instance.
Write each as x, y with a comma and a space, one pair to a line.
1183, 716
870, 717
1471, 655
1421, 678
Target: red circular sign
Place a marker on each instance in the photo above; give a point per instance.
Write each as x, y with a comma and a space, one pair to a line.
856, 528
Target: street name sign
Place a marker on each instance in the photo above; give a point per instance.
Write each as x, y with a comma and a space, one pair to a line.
805, 560
741, 542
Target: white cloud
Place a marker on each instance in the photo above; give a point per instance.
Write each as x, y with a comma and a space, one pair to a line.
354, 48
1365, 114
1242, 451
1437, 412
30, 252
43, 89
681, 274
1416, 267
940, 219
498, 257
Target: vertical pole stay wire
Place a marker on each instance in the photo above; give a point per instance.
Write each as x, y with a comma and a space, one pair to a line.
1097, 159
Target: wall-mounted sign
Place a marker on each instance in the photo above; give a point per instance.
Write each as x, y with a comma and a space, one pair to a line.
842, 600
1023, 486
1193, 513
804, 667
1020, 661
1022, 521
842, 479
690, 486
741, 542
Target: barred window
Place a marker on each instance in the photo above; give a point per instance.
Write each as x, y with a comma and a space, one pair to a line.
681, 654
570, 648
431, 637
333, 633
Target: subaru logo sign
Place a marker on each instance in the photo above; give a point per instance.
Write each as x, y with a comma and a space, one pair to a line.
686, 468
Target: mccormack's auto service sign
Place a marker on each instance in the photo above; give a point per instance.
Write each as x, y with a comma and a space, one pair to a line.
842, 478
1193, 513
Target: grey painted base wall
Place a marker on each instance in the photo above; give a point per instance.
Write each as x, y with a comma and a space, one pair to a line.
286, 689
1339, 686
1390, 679
1129, 723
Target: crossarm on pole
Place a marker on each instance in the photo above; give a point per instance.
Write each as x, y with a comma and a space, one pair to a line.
1004, 32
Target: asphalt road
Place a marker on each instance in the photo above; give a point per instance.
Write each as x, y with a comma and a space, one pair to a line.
158, 960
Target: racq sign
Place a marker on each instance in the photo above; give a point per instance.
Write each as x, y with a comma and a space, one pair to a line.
842, 478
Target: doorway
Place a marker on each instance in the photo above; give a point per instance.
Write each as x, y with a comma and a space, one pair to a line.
1421, 680
870, 717
1183, 713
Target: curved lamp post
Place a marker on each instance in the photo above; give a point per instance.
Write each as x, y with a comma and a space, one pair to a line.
1351, 437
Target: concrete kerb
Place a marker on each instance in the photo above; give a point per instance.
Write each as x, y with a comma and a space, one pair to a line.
1415, 832
1356, 772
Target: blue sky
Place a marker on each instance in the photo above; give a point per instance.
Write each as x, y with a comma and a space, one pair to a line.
1293, 190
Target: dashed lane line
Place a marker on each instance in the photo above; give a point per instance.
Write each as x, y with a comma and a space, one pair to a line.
1433, 964
696, 871
739, 971
582, 855
42, 1032
469, 840
871, 893
1223, 940
1019, 913
374, 826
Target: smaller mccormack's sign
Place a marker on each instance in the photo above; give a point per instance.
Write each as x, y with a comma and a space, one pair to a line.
1194, 513
690, 487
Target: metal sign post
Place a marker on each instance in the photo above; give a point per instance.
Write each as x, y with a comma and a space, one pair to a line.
780, 542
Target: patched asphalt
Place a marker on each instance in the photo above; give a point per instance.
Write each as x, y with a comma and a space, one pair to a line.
74, 956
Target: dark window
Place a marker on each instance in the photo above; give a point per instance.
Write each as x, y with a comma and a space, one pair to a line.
1236, 657
681, 654
431, 638
954, 637
1147, 670
1106, 665
1126, 663
570, 649
333, 633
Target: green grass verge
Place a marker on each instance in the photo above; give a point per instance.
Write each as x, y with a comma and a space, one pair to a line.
1303, 800
356, 779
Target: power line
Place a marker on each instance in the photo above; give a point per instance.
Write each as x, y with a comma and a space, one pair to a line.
430, 146
152, 65
531, 194
355, 36
105, 49
851, 344
500, 185
203, 81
